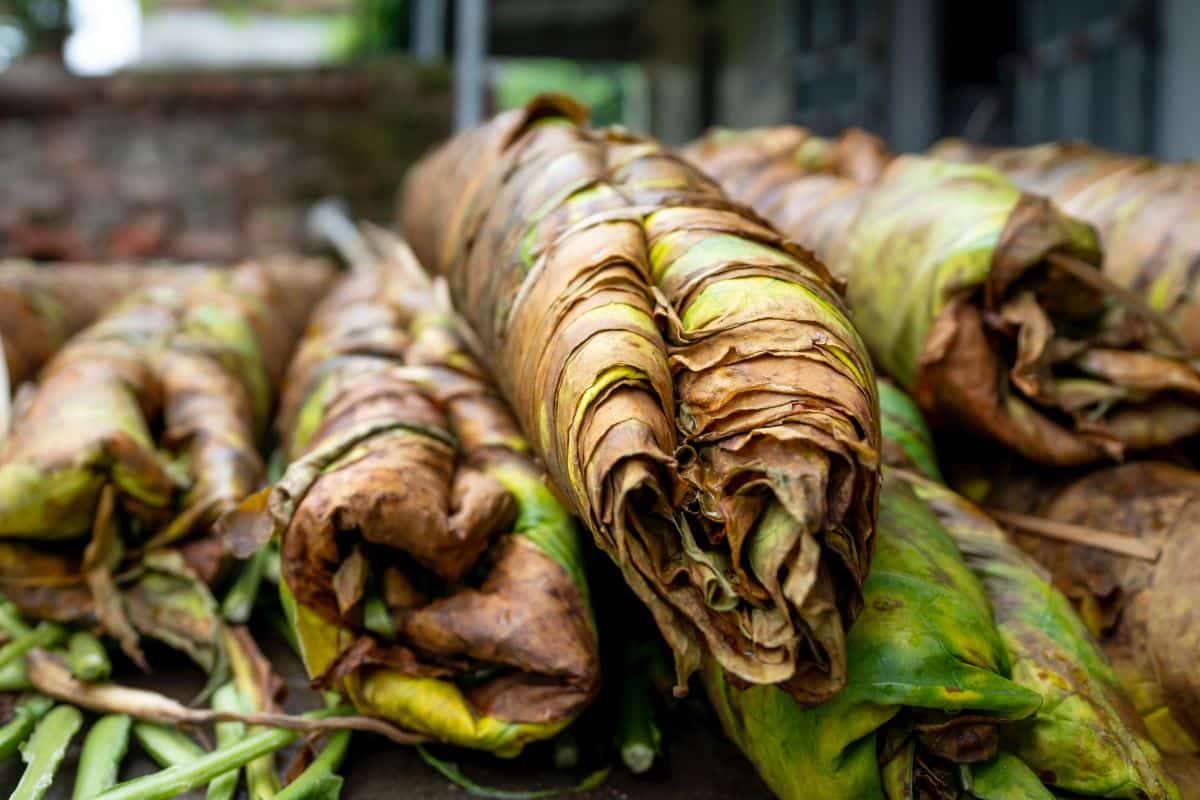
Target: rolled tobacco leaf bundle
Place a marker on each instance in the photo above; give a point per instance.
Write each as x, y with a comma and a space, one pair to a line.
143, 429
41, 306
428, 572
747, 160
929, 694
1086, 739
1146, 212
986, 304
687, 374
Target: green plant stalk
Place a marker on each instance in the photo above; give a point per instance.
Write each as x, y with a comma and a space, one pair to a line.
103, 751
46, 634
14, 678
87, 657
452, 773
638, 735
11, 622
169, 747
327, 786
239, 602
280, 625
45, 751
262, 781
226, 698
319, 778
176, 780
272, 564
377, 619
276, 464
566, 749
24, 718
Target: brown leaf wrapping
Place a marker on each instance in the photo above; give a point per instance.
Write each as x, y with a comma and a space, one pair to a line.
410, 486
686, 373
42, 306
1146, 212
158, 406
981, 301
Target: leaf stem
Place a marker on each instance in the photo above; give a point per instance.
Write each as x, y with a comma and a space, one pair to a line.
14, 677
319, 779
87, 657
25, 717
169, 747
45, 750
46, 634
226, 698
239, 602
638, 737
10, 620
566, 749
174, 781
103, 751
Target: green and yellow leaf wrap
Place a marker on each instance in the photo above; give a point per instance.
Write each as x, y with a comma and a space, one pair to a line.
1086, 739
143, 429
928, 687
985, 303
1146, 212
689, 377
42, 306
428, 572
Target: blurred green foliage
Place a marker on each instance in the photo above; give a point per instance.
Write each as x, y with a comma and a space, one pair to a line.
601, 87
32, 26
374, 28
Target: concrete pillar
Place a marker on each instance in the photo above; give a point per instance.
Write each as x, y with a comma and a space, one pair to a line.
429, 30
470, 57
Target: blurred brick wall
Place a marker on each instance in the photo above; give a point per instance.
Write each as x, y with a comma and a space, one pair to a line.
207, 166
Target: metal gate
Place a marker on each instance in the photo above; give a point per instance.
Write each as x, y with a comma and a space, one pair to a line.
838, 58
1085, 71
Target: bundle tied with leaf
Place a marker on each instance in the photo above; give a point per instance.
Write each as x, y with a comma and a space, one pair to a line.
1146, 212
142, 430
427, 571
969, 675
930, 692
687, 374
984, 302
1087, 738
